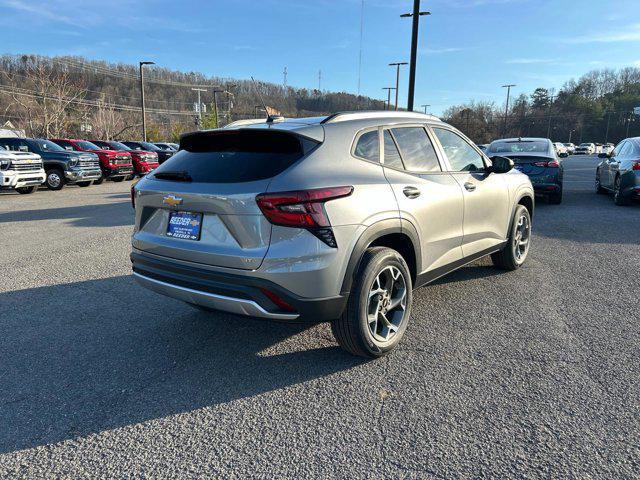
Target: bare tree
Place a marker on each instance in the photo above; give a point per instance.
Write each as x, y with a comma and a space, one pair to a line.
107, 122
46, 99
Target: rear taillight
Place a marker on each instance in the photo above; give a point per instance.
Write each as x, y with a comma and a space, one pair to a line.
303, 209
636, 165
551, 164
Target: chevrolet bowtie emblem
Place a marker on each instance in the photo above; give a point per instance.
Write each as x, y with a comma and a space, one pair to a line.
172, 200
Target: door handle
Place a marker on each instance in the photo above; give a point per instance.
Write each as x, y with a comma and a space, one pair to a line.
411, 192
470, 186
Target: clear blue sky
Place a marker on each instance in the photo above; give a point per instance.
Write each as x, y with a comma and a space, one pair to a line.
468, 48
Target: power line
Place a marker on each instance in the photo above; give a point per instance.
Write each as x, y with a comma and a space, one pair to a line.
88, 103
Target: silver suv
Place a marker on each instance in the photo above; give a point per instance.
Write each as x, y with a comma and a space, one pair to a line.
334, 219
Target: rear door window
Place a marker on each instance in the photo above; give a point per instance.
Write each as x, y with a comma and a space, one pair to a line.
391, 153
234, 156
368, 146
416, 149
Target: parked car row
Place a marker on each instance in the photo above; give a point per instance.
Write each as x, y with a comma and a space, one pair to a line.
27, 163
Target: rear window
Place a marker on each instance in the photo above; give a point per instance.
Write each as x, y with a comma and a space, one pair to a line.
517, 147
236, 155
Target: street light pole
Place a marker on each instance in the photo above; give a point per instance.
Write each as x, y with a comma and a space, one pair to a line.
144, 120
506, 110
425, 107
199, 105
215, 104
397, 65
414, 49
388, 89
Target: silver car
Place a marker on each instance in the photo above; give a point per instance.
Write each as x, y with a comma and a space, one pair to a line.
334, 218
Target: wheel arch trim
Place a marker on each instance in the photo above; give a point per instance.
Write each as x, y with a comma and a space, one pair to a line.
371, 234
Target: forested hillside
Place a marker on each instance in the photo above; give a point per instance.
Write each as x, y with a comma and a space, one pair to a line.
596, 108
65, 96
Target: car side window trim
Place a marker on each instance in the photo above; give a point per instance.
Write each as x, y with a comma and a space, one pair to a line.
436, 147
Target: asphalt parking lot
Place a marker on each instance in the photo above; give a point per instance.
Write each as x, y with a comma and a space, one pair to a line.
530, 374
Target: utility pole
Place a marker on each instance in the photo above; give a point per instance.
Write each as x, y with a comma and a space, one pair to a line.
199, 90
230, 102
414, 49
397, 65
215, 105
425, 107
570, 132
319, 80
506, 110
284, 74
388, 89
144, 119
549, 124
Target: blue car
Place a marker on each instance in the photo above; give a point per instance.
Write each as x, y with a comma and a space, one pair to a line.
536, 158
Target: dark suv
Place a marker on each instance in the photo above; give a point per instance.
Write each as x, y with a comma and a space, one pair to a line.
163, 154
61, 166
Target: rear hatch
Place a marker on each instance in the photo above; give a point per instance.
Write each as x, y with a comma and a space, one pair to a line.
531, 165
200, 205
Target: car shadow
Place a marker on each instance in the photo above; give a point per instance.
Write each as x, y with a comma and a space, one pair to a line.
85, 357
113, 214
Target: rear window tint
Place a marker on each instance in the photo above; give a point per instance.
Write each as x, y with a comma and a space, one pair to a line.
236, 155
517, 146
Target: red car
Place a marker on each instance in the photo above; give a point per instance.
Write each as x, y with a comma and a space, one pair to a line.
143, 161
115, 165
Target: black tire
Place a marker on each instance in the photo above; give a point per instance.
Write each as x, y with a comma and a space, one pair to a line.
618, 198
352, 330
83, 184
55, 179
506, 258
26, 190
599, 189
556, 198
98, 181
118, 179
131, 177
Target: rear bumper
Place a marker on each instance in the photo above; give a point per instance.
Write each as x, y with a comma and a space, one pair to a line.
238, 294
546, 188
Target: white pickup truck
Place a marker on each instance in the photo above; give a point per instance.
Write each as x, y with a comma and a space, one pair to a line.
21, 171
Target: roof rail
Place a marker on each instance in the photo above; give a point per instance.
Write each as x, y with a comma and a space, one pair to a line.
367, 114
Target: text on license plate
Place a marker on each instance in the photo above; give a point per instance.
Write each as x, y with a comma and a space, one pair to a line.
184, 225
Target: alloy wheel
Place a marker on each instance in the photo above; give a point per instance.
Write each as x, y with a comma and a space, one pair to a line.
521, 238
387, 304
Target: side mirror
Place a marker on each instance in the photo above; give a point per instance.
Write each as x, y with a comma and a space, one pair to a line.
501, 164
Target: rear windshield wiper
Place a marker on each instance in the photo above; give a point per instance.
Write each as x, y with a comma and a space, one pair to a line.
179, 176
